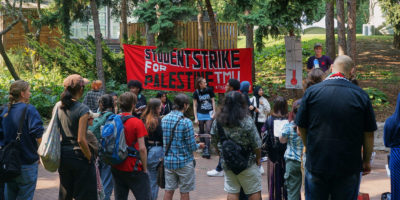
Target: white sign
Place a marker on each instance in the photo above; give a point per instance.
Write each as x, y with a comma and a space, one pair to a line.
278, 126
294, 63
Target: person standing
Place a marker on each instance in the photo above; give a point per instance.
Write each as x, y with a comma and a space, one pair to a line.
166, 105
204, 110
106, 108
260, 107
92, 97
319, 61
77, 171
136, 88
132, 174
231, 85
236, 125
336, 120
391, 138
294, 150
179, 160
22, 186
276, 150
154, 141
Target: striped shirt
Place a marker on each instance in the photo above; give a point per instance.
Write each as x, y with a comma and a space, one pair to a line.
183, 143
294, 143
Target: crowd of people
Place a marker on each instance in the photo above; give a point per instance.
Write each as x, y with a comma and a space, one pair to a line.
326, 138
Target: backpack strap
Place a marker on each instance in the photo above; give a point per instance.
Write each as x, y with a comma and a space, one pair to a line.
21, 123
172, 136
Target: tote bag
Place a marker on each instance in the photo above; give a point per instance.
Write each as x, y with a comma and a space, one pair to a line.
50, 147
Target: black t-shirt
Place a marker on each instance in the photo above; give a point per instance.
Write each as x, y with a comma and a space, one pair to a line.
69, 121
204, 102
336, 113
156, 135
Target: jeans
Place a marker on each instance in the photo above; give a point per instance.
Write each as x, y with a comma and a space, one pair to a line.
23, 186
339, 187
219, 166
137, 182
106, 179
153, 158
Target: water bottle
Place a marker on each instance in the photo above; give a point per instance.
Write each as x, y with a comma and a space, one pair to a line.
316, 64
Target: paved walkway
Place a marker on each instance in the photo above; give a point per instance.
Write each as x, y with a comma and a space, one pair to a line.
212, 188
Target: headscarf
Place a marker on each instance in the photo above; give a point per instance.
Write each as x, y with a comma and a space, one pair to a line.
244, 88
391, 132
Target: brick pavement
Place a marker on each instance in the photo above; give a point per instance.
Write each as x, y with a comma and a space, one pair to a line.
211, 188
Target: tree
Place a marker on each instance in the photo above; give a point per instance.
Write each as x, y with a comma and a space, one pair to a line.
391, 9
277, 17
342, 48
351, 28
213, 25
330, 29
161, 16
98, 39
200, 24
124, 20
15, 14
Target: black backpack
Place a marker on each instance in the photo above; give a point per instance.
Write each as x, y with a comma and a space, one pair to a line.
10, 155
235, 156
275, 149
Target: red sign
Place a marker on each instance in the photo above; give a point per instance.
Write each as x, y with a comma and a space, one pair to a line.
178, 69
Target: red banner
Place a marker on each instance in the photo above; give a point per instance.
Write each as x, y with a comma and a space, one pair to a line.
178, 69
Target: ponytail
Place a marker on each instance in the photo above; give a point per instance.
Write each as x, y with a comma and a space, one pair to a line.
15, 93
67, 95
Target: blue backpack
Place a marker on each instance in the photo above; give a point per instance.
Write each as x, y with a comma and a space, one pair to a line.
114, 149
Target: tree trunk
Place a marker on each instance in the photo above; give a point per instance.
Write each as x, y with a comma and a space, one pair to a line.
341, 27
7, 61
39, 28
396, 40
351, 29
250, 44
200, 24
124, 25
150, 37
330, 30
99, 50
213, 25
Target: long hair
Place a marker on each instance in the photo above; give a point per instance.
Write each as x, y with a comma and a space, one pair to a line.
69, 92
151, 115
107, 102
15, 93
280, 108
197, 82
234, 109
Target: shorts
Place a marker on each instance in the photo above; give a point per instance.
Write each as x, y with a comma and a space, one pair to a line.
182, 177
249, 180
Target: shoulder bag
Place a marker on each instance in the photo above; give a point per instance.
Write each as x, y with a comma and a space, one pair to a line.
160, 166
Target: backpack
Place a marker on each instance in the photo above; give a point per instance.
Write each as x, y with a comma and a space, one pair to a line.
98, 122
235, 156
113, 147
275, 150
10, 154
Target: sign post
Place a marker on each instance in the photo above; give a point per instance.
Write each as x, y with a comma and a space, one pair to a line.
294, 64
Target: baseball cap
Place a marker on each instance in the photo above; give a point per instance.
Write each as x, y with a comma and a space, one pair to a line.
317, 45
75, 79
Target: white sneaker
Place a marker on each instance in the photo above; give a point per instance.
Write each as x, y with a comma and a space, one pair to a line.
215, 173
261, 168
264, 159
